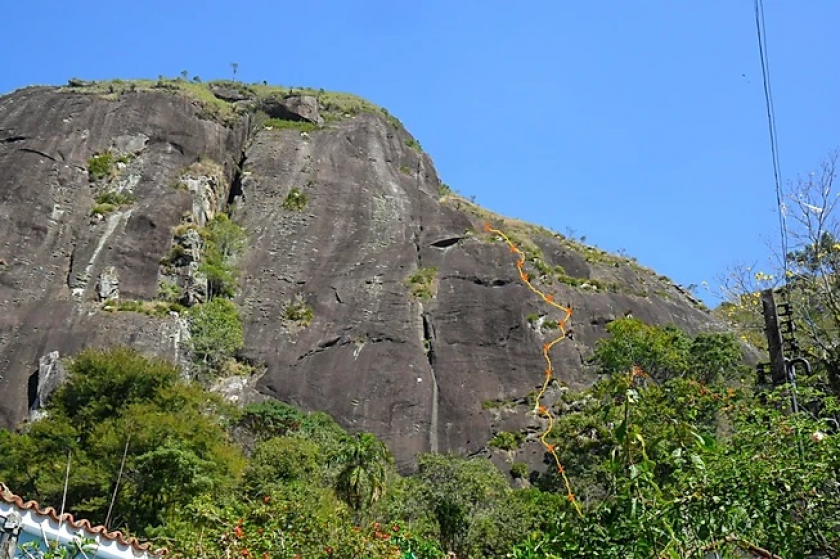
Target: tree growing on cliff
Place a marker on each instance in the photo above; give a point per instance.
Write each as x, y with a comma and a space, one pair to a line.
216, 332
224, 240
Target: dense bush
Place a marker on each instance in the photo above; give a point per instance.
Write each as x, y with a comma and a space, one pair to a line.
118, 401
216, 332
100, 166
224, 241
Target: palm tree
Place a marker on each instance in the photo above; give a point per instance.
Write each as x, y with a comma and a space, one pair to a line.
362, 479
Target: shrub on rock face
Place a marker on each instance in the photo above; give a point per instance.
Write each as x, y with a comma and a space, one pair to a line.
505, 440
224, 241
216, 331
100, 166
295, 200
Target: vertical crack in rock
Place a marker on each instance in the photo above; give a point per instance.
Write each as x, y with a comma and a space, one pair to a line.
235, 192
428, 344
337, 298
70, 267
428, 339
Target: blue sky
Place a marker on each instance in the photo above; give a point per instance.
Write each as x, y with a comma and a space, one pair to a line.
640, 125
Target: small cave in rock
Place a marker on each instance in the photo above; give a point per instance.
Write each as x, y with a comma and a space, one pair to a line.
235, 193
32, 389
444, 243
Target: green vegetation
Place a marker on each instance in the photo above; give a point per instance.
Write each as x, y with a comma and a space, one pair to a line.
102, 209
413, 144
100, 166
78, 547
109, 201
670, 467
666, 352
421, 283
118, 401
444, 189
505, 440
169, 291
115, 198
295, 200
281, 124
519, 470
224, 241
216, 332
405, 170
299, 312
151, 308
362, 478
491, 404
463, 496
175, 256
591, 283
334, 106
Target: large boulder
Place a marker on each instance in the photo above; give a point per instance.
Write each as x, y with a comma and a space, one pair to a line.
293, 107
229, 93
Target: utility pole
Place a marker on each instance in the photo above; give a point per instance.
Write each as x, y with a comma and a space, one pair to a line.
778, 368
781, 343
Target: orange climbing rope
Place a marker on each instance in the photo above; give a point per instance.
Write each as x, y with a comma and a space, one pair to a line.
563, 324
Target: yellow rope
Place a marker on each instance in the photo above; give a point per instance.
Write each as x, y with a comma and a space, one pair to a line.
549, 369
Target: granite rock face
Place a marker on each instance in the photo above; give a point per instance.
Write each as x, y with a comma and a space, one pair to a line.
419, 315
414, 370
55, 251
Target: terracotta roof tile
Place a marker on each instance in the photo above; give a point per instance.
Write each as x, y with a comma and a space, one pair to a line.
7, 496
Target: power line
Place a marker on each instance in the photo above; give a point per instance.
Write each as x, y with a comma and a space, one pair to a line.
771, 121
786, 365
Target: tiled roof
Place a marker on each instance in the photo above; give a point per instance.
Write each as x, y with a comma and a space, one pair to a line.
6, 496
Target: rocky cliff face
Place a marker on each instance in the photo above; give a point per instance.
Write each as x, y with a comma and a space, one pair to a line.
418, 315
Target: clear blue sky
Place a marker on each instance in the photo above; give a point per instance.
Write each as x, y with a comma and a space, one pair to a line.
640, 125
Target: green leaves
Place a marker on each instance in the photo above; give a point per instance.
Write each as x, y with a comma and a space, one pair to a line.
216, 331
362, 479
104, 382
666, 352
118, 401
698, 468
660, 352
459, 492
282, 460
224, 240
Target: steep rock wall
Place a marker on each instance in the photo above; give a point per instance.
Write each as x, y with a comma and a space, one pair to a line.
52, 250
379, 359
414, 370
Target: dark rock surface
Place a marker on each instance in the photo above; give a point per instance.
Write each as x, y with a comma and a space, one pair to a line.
228, 93
415, 372
54, 252
293, 107
412, 370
